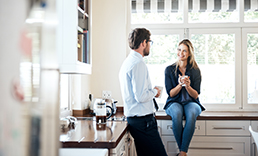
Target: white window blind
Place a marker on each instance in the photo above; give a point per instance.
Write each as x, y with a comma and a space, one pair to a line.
153, 6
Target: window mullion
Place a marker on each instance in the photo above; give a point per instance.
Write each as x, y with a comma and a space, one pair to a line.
185, 12
241, 11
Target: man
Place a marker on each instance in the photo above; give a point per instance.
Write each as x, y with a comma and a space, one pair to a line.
138, 96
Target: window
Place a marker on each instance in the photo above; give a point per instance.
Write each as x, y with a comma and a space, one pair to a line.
251, 10
158, 11
217, 54
213, 11
224, 34
250, 66
163, 53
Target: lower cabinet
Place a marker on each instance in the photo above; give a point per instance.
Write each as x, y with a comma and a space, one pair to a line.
125, 147
212, 146
213, 138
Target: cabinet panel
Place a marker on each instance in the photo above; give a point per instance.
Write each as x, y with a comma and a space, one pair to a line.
212, 146
166, 126
170, 145
121, 149
217, 146
229, 128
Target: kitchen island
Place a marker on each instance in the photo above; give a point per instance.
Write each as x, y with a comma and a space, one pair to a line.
216, 132
88, 134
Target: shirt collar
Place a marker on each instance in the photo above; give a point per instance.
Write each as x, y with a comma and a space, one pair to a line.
138, 55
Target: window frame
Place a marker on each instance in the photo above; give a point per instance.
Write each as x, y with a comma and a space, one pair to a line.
240, 28
246, 105
238, 80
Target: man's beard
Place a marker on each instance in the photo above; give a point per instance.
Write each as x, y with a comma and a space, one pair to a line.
146, 51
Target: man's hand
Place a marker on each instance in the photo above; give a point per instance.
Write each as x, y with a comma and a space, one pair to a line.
159, 92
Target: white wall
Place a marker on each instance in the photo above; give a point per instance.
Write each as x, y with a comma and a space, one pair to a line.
109, 46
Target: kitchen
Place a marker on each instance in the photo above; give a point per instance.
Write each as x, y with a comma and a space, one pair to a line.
110, 21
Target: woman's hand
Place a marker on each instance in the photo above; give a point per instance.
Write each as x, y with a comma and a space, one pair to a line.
179, 80
187, 81
184, 80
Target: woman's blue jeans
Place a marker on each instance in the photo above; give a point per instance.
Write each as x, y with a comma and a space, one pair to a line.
183, 134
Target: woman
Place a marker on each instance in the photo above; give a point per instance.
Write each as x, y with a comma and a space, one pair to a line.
182, 81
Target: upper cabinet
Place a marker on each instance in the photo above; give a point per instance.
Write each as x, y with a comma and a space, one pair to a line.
74, 36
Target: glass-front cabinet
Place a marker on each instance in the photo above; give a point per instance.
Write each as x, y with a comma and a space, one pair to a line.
74, 37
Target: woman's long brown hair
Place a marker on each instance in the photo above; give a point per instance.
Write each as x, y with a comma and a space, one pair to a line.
191, 58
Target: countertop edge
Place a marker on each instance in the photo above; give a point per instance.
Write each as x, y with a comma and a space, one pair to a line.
92, 144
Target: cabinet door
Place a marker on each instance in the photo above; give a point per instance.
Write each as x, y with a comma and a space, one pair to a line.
211, 146
167, 127
67, 31
228, 128
170, 145
217, 146
120, 149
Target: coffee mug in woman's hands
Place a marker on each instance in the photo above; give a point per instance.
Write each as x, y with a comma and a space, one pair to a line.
182, 79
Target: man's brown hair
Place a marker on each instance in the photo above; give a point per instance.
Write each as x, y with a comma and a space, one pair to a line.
137, 36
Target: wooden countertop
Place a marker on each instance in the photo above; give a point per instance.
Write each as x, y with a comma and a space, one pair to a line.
88, 134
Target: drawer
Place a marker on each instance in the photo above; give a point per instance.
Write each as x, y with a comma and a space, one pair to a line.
217, 146
228, 128
212, 146
166, 127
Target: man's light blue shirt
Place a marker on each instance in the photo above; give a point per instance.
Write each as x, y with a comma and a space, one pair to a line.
136, 88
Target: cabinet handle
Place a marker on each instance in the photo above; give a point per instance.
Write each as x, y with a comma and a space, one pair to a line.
234, 128
197, 127
212, 148
169, 127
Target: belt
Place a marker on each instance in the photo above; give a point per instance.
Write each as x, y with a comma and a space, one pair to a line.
145, 116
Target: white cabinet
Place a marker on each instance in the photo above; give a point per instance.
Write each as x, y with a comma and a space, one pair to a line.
120, 149
166, 127
217, 146
212, 146
83, 152
125, 147
212, 137
227, 128
70, 42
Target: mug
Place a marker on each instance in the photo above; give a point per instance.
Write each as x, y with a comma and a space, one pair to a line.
183, 77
